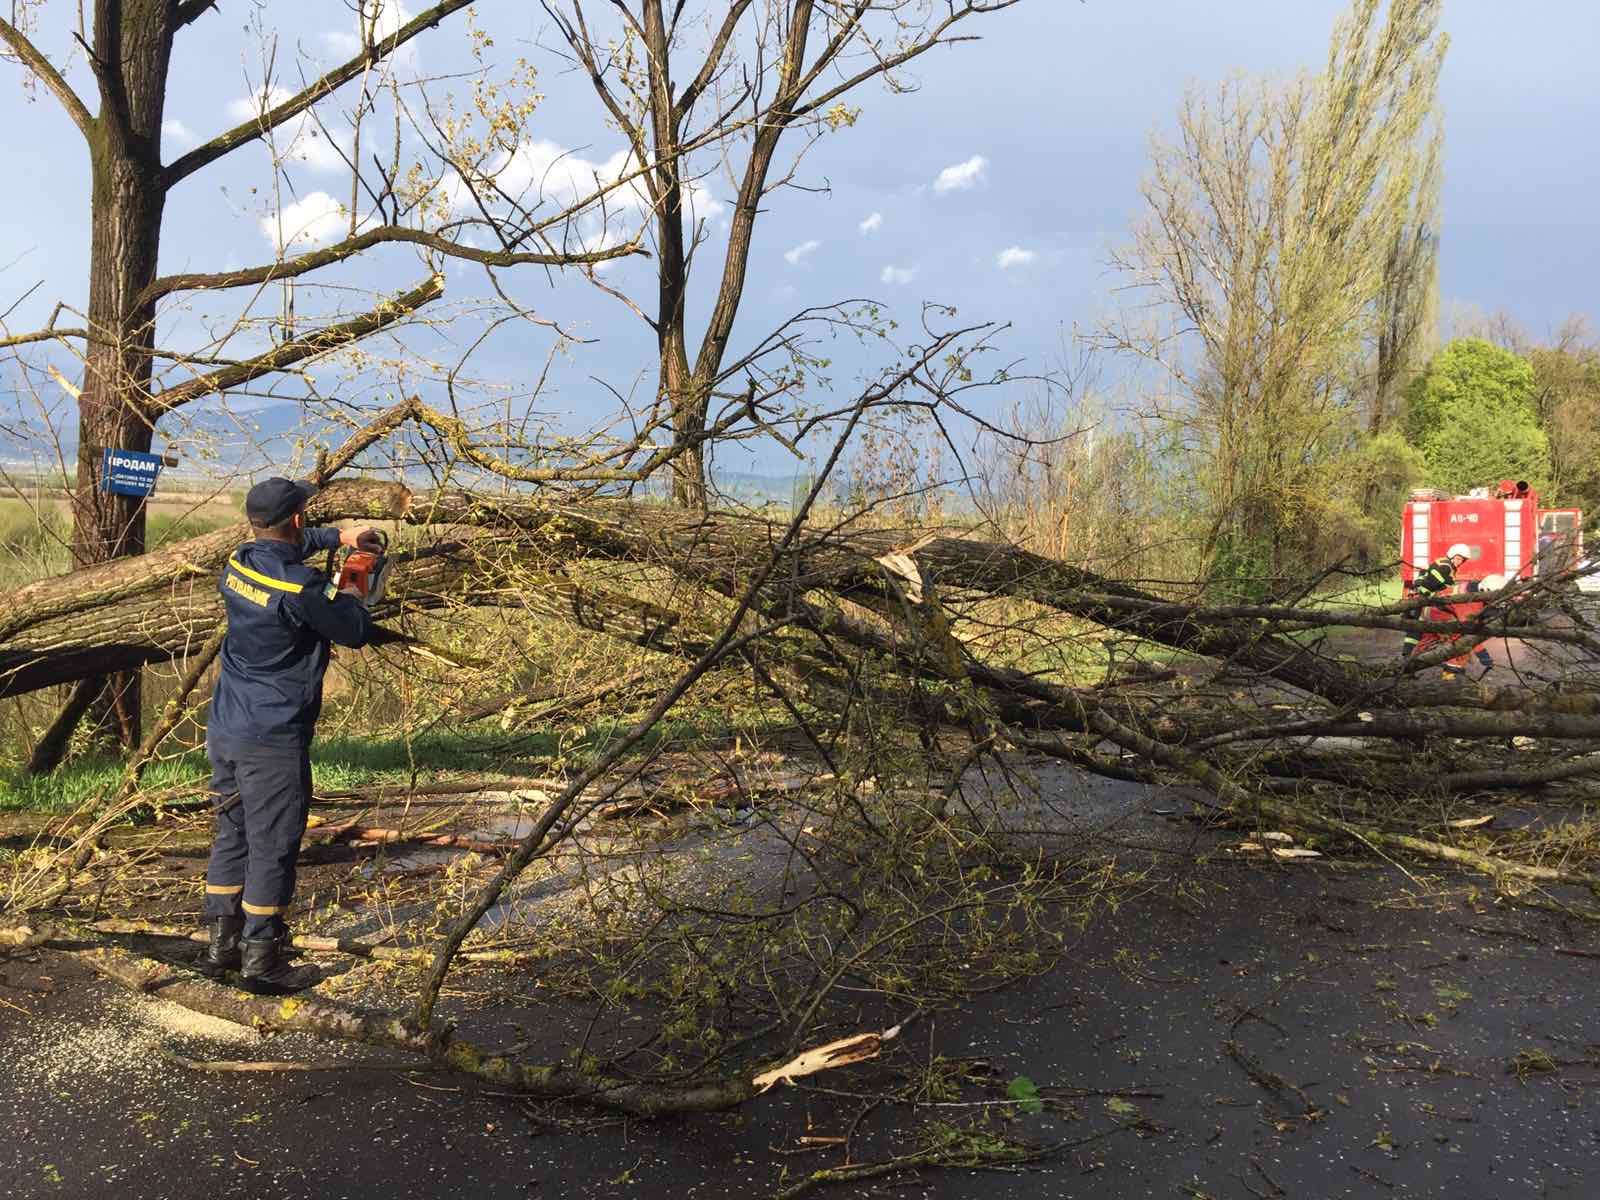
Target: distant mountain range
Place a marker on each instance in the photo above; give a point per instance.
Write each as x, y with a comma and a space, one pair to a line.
213, 443
228, 441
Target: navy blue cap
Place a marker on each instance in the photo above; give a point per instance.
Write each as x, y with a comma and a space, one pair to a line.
275, 500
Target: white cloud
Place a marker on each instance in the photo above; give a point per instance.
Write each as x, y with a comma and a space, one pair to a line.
1014, 256
177, 132
795, 256
962, 175
297, 139
316, 217
377, 20
899, 275
342, 44
545, 173
872, 224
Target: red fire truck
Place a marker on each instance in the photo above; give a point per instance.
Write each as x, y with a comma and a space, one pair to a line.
1504, 529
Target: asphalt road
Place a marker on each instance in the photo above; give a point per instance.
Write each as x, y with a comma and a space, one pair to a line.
1295, 1031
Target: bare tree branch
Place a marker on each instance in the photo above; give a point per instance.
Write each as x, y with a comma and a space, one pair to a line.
49, 76
227, 142
302, 264
300, 349
42, 335
708, 69
190, 11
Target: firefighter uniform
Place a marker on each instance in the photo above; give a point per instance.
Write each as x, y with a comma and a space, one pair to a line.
1439, 577
1457, 665
282, 616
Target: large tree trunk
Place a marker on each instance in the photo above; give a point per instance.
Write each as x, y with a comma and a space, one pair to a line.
123, 614
133, 49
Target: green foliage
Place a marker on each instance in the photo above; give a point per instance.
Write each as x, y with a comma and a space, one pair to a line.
1355, 507
1475, 445
1567, 382
1026, 1093
1383, 469
1468, 372
1474, 416
1241, 570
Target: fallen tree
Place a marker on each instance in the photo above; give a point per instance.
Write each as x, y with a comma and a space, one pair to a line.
152, 609
528, 554
1256, 708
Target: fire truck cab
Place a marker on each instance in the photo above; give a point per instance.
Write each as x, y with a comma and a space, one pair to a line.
1560, 539
1503, 527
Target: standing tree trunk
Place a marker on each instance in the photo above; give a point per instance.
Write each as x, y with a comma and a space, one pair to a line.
133, 50
678, 386
129, 51
774, 90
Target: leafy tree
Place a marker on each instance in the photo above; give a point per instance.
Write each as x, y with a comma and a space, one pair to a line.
1361, 500
1270, 250
1469, 371
1473, 416
1474, 445
1567, 400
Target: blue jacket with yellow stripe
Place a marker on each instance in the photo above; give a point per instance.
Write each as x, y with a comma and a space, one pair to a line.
282, 615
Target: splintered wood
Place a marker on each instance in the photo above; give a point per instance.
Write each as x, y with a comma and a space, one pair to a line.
842, 1053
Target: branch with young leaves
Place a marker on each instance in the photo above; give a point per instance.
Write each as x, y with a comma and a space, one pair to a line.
299, 350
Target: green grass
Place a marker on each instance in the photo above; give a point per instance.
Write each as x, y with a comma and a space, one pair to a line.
337, 764
33, 543
1368, 593
76, 781
162, 528
345, 763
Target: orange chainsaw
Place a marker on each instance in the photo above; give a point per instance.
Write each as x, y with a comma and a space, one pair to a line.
365, 572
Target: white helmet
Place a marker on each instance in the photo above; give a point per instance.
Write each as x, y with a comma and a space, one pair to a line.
1459, 550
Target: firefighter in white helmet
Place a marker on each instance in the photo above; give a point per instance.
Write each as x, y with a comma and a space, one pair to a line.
1438, 578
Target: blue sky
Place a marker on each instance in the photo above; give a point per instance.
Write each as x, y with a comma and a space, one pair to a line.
1040, 132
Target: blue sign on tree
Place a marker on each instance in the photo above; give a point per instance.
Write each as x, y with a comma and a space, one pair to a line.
128, 472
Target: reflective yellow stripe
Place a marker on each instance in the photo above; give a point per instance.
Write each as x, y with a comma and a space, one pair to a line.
217, 889
283, 585
262, 910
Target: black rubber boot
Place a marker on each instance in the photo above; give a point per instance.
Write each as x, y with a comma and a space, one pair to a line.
266, 971
222, 952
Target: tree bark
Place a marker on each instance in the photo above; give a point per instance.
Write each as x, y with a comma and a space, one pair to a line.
148, 611
51, 748
131, 56
166, 622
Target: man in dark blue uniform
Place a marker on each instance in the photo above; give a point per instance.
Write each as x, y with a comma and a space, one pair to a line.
282, 616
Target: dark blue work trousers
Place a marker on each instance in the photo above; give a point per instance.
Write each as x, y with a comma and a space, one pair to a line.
262, 794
